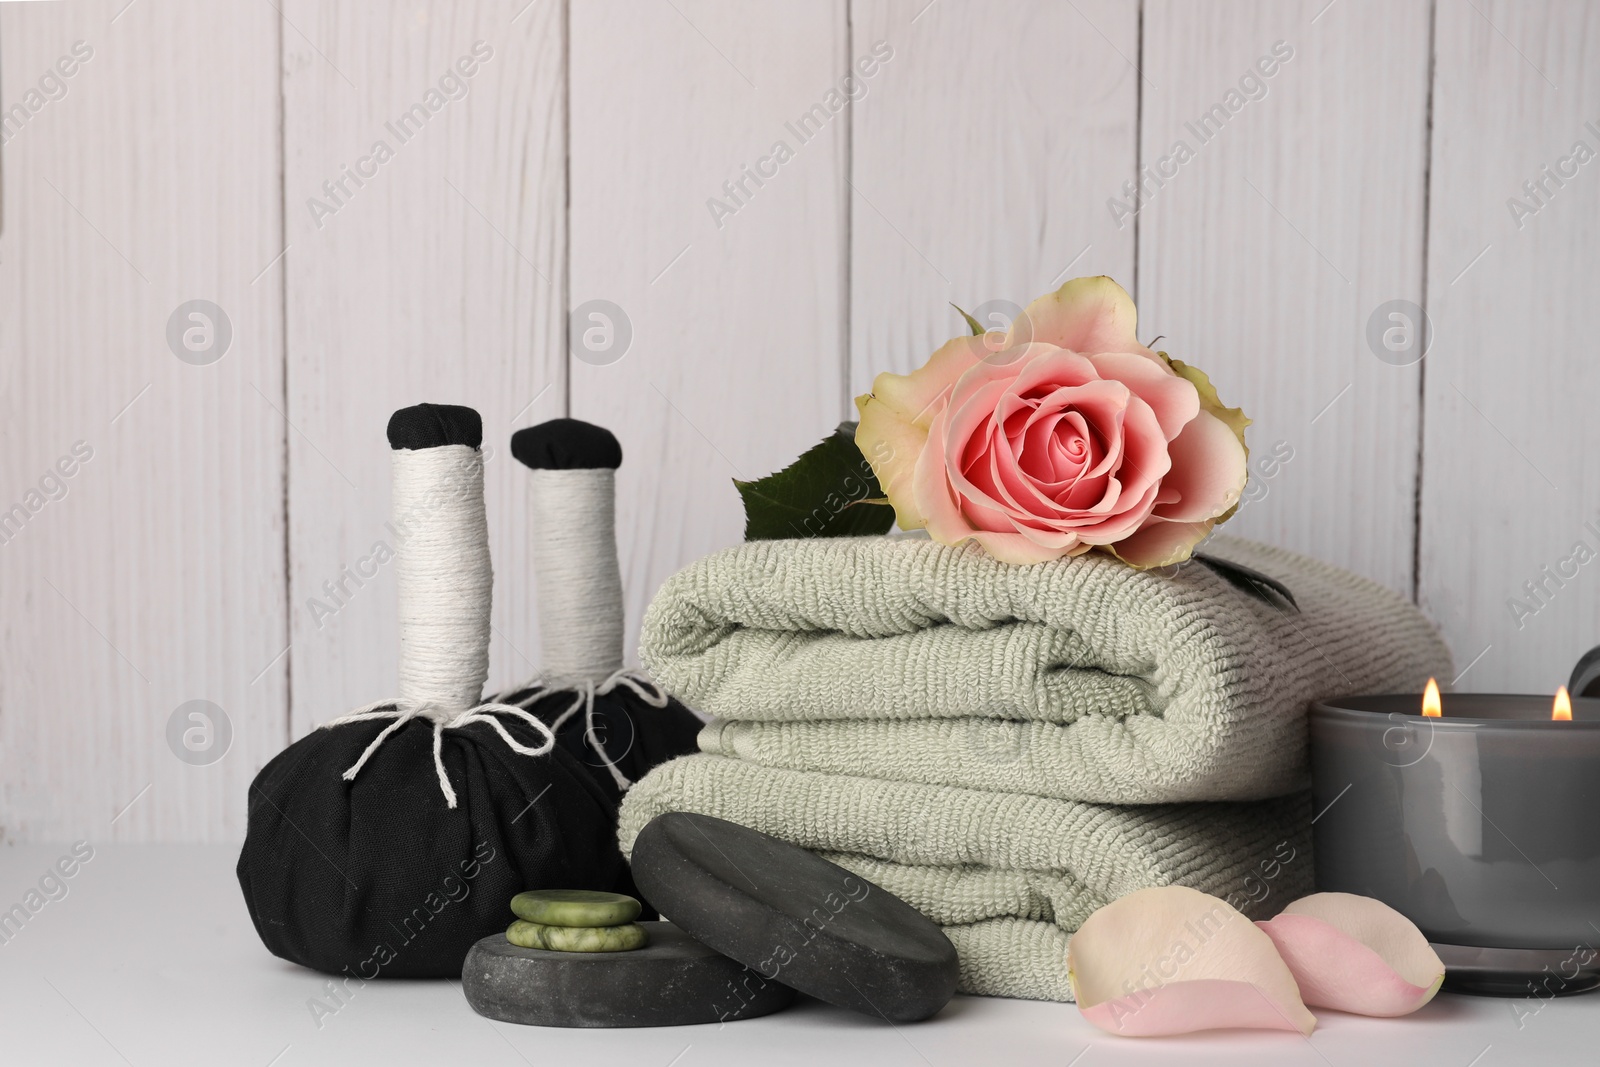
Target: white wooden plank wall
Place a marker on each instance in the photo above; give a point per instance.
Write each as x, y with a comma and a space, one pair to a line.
983, 156
1511, 469
584, 160
735, 365
157, 578
440, 279
1262, 257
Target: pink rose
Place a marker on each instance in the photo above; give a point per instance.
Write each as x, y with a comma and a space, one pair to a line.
1071, 436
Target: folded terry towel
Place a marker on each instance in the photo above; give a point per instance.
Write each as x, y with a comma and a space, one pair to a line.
1008, 876
1078, 679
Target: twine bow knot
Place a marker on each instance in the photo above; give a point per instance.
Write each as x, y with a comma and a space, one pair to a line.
584, 691
403, 711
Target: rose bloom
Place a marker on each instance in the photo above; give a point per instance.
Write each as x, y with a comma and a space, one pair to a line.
1071, 436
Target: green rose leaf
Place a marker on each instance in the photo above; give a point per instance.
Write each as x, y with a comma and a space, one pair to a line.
830, 491
972, 324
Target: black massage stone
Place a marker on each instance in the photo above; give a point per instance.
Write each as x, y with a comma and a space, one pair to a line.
435, 425
566, 445
672, 981
794, 917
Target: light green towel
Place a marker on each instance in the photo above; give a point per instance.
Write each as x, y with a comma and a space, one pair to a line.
1007, 876
1079, 679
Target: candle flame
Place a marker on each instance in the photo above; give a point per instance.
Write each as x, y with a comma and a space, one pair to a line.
1562, 709
1432, 706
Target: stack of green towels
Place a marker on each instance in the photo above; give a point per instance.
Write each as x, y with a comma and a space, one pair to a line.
1009, 748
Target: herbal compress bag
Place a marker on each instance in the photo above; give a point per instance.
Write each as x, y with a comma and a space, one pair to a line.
386, 842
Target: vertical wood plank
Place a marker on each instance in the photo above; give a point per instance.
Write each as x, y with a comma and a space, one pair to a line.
153, 574
435, 274
983, 157
1262, 257
735, 363
1510, 461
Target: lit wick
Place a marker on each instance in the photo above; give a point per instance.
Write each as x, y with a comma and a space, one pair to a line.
1432, 706
1562, 710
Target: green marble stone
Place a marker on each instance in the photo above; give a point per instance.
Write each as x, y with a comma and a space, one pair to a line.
574, 907
623, 938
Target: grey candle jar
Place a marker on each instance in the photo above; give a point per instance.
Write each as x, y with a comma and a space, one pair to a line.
1481, 826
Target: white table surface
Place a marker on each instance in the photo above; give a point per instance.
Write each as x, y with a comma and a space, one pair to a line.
150, 959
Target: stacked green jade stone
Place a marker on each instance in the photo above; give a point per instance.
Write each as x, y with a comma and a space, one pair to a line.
576, 920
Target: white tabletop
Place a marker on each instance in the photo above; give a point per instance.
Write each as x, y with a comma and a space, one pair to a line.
150, 959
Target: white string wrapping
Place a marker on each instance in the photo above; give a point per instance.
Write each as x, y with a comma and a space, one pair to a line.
445, 584
584, 692
403, 711
572, 515
443, 574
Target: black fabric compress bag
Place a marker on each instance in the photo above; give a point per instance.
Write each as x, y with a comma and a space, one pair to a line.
378, 877
388, 858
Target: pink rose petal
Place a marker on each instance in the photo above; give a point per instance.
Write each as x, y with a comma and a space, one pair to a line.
1095, 463
1085, 315
895, 417
1208, 471
917, 397
1174, 400
1053, 448
891, 446
1184, 1007
1161, 543
1017, 548
1356, 954
1045, 368
935, 498
1090, 413
1144, 463
1093, 493
1024, 494
1172, 960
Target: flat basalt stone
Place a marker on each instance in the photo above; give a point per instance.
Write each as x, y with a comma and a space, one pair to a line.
793, 917
673, 981
624, 938
574, 907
